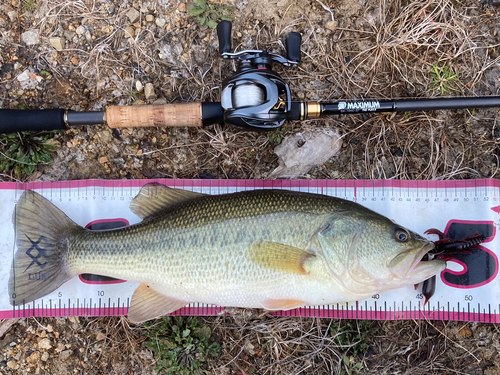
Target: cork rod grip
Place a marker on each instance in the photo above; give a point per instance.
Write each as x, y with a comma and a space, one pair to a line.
179, 114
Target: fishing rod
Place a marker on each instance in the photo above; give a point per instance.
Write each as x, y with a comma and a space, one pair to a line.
255, 98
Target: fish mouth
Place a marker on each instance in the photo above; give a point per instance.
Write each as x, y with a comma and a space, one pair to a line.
403, 264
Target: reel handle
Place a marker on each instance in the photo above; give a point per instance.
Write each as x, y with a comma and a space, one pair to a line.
224, 35
292, 45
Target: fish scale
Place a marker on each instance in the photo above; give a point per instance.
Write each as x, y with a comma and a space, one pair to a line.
169, 249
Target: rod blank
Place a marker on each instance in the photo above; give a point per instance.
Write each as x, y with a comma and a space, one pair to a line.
405, 105
85, 118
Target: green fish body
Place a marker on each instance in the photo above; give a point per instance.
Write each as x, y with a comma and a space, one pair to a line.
271, 249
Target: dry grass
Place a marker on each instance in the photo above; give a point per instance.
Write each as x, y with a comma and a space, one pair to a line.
400, 44
391, 56
318, 346
283, 345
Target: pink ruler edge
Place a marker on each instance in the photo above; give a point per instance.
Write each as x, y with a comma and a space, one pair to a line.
312, 312
260, 184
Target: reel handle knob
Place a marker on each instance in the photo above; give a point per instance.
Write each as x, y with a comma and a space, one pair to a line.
292, 45
224, 35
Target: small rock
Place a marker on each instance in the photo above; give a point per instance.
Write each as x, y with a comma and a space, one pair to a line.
332, 25
80, 30
44, 343
64, 355
5, 68
24, 76
133, 15
74, 60
199, 54
160, 22
149, 91
57, 43
465, 332
30, 37
150, 18
170, 53
45, 356
119, 161
34, 357
139, 152
182, 7
129, 32
108, 29
103, 159
5, 342
249, 348
12, 15
303, 151
111, 10
160, 101
101, 336
138, 86
12, 365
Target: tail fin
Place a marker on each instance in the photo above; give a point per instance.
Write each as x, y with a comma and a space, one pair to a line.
41, 231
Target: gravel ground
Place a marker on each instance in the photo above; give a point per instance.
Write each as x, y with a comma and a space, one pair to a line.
85, 55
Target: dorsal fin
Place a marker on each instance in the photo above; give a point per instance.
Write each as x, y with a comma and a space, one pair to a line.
155, 197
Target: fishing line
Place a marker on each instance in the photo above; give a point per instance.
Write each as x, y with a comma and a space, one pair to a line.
248, 94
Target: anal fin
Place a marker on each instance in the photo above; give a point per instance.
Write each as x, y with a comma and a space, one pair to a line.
282, 304
148, 304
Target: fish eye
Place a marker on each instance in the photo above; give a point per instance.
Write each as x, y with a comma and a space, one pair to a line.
402, 235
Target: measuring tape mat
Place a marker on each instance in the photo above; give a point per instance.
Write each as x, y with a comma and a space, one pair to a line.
467, 290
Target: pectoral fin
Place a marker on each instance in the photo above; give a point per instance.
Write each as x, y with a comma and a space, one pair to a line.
282, 304
280, 257
148, 304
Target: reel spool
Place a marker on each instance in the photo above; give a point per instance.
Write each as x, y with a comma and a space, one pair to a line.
256, 96
248, 95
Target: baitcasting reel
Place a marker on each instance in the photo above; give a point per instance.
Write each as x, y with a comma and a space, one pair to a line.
256, 96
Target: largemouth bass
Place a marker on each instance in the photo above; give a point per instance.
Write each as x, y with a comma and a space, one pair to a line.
271, 249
